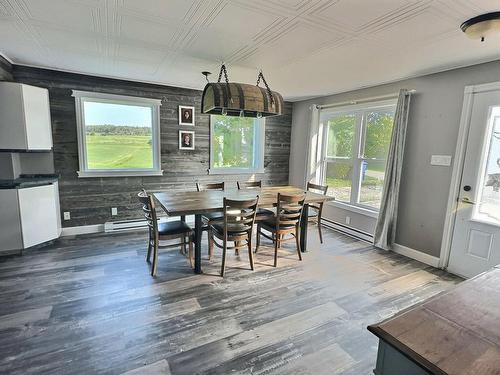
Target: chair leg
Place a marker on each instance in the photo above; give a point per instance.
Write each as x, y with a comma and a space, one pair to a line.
190, 255
297, 240
237, 245
223, 266
250, 255
210, 244
155, 258
148, 256
319, 230
183, 245
258, 238
276, 242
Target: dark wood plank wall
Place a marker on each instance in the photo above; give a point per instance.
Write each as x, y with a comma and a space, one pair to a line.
90, 199
5, 70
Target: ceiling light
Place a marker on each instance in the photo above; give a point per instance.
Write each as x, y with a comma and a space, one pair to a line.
482, 27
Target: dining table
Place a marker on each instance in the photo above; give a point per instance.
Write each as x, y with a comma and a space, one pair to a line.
198, 203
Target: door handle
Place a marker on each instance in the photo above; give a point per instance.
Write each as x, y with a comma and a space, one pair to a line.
467, 200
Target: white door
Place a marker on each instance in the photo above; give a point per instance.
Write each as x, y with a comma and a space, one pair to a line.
476, 235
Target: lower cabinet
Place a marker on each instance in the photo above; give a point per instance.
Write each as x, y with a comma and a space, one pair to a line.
392, 362
30, 216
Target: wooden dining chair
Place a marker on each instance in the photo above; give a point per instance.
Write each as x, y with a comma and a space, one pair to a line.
316, 209
287, 221
160, 231
262, 213
236, 226
210, 216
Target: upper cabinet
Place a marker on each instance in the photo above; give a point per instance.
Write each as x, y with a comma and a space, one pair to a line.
24, 117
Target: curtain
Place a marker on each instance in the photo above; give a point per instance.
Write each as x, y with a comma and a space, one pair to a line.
313, 151
385, 230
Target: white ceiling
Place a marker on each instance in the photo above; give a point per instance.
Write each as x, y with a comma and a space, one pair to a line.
306, 48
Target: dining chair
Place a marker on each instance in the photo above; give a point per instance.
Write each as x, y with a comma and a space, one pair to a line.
262, 213
236, 226
287, 221
160, 231
210, 216
316, 209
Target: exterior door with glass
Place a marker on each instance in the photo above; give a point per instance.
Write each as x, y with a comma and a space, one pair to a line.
475, 245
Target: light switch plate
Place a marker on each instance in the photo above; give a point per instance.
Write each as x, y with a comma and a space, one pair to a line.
442, 160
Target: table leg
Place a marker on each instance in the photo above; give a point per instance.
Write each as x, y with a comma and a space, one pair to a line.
197, 243
303, 228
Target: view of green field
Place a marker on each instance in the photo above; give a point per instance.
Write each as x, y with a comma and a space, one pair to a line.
118, 150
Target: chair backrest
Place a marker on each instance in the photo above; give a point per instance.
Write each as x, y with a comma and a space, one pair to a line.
317, 188
210, 186
148, 208
289, 209
249, 184
239, 215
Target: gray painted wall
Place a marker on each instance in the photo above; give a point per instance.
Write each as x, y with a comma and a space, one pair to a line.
432, 129
90, 199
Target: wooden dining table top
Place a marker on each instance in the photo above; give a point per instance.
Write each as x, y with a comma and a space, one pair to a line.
177, 203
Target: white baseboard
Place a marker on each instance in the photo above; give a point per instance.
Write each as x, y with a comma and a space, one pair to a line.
417, 255
83, 229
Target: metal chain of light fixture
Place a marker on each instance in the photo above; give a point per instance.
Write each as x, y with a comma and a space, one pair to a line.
269, 92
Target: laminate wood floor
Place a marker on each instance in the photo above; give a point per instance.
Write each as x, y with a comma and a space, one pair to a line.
87, 305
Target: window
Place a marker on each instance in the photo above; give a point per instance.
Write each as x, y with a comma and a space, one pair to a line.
117, 135
236, 144
355, 146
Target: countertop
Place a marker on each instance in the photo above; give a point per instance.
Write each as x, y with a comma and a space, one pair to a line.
26, 181
456, 332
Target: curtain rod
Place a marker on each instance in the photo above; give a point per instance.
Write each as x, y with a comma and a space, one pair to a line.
358, 101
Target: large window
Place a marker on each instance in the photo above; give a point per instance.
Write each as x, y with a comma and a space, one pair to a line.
355, 146
236, 144
117, 135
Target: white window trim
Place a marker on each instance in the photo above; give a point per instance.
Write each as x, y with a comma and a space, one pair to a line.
259, 145
352, 206
154, 104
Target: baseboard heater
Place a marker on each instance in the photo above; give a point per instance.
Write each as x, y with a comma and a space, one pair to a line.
348, 230
124, 225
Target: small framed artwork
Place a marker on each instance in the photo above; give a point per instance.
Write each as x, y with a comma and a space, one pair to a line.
186, 115
186, 140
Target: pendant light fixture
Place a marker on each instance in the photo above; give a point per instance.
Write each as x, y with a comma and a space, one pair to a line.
240, 99
483, 26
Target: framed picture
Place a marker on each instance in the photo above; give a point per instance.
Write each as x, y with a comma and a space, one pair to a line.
186, 115
186, 140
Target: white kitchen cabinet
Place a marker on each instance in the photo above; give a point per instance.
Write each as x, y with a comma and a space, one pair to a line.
24, 117
30, 216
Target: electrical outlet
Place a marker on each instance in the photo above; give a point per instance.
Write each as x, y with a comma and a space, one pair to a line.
114, 211
67, 215
348, 220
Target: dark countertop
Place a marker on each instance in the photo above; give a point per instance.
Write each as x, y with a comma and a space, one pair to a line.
26, 181
456, 332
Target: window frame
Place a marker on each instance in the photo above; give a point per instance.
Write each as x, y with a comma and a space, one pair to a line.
357, 156
258, 150
88, 96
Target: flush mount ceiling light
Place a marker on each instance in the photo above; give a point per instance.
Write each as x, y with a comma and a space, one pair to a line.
240, 99
482, 27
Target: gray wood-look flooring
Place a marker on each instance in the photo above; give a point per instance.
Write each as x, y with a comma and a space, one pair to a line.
88, 305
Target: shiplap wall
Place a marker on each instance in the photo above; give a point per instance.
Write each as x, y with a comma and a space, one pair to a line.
5, 70
90, 199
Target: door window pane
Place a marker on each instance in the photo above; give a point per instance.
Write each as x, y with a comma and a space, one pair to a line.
372, 182
232, 141
339, 179
379, 125
489, 200
118, 136
340, 140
